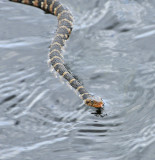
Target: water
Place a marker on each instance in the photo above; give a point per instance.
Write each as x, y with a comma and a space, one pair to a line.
111, 50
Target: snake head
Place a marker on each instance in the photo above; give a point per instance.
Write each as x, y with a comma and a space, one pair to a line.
96, 102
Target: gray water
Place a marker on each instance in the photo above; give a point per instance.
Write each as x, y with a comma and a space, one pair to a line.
111, 50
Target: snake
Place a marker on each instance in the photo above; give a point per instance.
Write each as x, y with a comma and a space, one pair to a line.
55, 57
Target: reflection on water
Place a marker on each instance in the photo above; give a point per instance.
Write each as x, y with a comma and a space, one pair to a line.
111, 50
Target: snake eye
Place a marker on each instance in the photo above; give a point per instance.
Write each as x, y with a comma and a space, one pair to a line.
87, 102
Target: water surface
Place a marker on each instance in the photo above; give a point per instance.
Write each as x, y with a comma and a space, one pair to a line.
111, 50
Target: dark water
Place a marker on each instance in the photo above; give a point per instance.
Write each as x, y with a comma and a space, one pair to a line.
111, 50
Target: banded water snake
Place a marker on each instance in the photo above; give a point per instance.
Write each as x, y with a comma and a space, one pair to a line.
65, 23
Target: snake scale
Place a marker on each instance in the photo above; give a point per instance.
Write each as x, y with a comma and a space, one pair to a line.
65, 23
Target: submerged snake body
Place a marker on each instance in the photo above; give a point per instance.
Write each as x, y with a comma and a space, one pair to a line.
65, 22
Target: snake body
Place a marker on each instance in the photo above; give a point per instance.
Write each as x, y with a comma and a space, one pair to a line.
65, 23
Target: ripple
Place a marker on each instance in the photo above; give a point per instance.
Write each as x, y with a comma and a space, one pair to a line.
145, 138
100, 129
5, 123
12, 152
34, 101
147, 34
146, 76
21, 42
86, 20
10, 97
